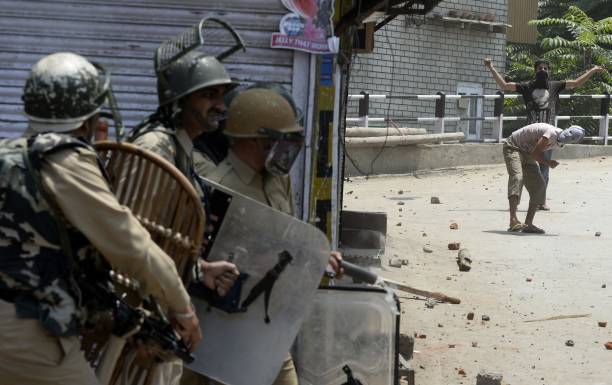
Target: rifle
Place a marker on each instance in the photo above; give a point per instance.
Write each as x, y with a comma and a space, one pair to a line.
97, 286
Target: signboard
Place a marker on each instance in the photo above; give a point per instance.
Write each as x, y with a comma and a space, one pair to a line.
307, 28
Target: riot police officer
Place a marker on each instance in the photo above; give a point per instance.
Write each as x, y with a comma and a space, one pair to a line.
55, 208
265, 138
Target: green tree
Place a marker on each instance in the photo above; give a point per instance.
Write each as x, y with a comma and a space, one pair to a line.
589, 44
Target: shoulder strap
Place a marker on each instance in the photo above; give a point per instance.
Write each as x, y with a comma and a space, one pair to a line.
147, 126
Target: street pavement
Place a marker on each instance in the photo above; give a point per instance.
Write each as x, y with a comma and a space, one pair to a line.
514, 277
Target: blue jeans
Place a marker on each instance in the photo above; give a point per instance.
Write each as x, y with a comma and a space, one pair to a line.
544, 169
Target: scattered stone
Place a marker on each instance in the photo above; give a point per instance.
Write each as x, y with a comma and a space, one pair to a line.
395, 262
474, 344
488, 378
569, 343
454, 246
440, 325
427, 249
470, 316
608, 345
405, 261
449, 278
598, 234
400, 192
435, 200
463, 260
400, 203
529, 279
602, 324
461, 372
454, 226
424, 234
603, 286
399, 224
422, 336
349, 193
430, 303
400, 209
451, 346
486, 318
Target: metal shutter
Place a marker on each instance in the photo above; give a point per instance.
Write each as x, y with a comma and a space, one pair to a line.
123, 36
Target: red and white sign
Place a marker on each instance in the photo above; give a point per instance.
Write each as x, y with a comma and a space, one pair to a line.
308, 28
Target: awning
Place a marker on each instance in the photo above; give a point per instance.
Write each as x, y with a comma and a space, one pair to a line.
390, 9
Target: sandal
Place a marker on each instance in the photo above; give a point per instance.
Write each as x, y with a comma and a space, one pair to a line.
531, 229
517, 227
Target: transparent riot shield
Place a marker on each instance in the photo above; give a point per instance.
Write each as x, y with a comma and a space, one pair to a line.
352, 327
281, 260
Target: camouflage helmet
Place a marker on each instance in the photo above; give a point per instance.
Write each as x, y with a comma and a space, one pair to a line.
192, 72
256, 110
61, 92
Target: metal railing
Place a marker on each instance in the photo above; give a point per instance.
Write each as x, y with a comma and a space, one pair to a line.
439, 119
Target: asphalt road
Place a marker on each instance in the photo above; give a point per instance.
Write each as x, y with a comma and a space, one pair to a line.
514, 278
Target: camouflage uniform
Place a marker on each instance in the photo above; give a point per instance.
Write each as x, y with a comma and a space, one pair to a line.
40, 306
176, 147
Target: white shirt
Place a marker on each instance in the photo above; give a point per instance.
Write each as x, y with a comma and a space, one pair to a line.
527, 137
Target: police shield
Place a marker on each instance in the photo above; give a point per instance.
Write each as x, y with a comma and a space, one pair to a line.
248, 333
350, 337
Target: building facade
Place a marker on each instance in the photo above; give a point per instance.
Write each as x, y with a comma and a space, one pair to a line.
442, 52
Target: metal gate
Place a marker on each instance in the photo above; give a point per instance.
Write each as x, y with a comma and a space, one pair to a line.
123, 36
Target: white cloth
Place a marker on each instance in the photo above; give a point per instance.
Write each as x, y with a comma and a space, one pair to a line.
527, 137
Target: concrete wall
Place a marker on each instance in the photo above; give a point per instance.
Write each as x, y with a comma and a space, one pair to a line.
413, 55
406, 159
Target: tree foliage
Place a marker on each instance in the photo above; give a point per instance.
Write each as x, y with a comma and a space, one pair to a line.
573, 36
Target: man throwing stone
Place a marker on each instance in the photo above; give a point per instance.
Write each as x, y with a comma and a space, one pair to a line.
523, 150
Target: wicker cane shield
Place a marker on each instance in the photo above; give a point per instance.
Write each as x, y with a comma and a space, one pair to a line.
168, 206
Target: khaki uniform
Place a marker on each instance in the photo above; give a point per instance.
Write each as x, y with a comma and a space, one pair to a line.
202, 164
275, 191
272, 190
29, 354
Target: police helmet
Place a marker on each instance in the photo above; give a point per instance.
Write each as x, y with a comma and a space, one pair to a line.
62, 91
257, 110
192, 72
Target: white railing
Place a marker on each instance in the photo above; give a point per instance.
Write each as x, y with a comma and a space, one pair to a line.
439, 118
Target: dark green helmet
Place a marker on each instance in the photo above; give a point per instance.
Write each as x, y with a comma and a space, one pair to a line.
192, 72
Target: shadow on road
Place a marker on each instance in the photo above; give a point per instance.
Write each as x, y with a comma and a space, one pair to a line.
506, 210
518, 233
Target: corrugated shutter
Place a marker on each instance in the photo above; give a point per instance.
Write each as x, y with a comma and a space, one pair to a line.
123, 35
520, 12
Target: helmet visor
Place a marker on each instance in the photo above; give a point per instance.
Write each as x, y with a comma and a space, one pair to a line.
283, 152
